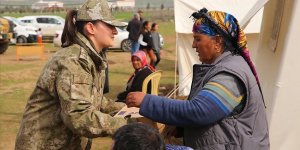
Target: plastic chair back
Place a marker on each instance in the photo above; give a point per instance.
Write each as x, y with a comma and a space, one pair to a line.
154, 78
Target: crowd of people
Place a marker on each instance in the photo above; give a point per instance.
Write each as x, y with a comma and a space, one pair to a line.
67, 108
144, 36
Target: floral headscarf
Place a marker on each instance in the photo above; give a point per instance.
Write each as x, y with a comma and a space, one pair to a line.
215, 22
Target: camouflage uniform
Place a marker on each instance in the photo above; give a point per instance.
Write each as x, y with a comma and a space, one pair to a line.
67, 107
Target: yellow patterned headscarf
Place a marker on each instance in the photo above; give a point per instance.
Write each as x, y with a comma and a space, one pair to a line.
220, 23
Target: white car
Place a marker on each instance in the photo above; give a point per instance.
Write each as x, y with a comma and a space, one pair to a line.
48, 24
23, 33
120, 42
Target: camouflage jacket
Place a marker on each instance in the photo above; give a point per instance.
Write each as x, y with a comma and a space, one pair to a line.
67, 107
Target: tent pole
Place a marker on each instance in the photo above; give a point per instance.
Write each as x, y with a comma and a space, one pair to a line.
175, 76
252, 12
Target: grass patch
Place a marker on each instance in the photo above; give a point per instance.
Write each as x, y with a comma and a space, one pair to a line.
17, 15
13, 82
123, 16
14, 67
11, 110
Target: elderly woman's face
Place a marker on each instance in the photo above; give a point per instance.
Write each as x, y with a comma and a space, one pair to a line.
136, 62
206, 47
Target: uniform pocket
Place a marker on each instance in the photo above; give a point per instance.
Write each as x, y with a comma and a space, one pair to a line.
81, 87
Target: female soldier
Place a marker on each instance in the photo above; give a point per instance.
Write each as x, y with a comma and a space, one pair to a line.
225, 108
67, 107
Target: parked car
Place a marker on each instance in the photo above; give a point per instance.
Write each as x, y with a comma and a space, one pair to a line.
48, 24
120, 42
22, 32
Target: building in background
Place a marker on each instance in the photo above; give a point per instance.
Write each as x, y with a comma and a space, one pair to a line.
154, 4
47, 4
15, 4
125, 3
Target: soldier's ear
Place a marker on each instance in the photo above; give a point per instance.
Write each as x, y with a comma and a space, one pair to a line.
90, 28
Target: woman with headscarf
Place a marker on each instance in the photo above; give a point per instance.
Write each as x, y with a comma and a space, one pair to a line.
225, 108
141, 71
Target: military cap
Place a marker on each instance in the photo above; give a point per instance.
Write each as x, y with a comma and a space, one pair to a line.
93, 10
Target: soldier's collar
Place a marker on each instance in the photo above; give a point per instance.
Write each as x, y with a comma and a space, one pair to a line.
98, 58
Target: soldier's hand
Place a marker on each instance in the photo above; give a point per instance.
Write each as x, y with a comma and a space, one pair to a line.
134, 99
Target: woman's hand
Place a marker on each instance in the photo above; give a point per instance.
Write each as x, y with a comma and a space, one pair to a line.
134, 99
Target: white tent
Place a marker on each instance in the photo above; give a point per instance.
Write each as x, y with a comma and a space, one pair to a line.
276, 61
185, 53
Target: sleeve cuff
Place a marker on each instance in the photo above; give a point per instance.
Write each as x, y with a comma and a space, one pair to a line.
144, 104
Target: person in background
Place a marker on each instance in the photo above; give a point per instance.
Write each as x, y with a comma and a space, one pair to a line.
156, 42
67, 109
134, 29
140, 136
146, 43
225, 108
141, 71
39, 36
140, 12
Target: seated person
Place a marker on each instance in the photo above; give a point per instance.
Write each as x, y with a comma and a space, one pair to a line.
140, 136
142, 71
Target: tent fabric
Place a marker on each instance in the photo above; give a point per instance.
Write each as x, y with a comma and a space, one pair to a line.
184, 8
255, 10
186, 55
279, 73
